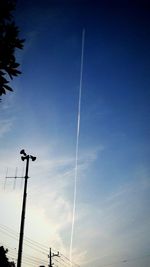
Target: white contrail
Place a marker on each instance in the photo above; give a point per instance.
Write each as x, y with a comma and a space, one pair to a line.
77, 146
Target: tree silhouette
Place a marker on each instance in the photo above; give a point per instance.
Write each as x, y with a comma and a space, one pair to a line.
9, 42
4, 262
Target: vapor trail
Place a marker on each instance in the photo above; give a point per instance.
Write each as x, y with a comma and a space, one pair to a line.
77, 145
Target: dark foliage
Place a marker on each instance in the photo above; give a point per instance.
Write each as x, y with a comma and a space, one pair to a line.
9, 42
4, 262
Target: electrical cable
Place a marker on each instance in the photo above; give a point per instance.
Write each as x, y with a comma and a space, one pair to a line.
32, 244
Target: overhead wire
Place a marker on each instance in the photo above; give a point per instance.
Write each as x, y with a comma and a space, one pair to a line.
33, 244
27, 259
27, 241
32, 258
69, 260
26, 238
60, 262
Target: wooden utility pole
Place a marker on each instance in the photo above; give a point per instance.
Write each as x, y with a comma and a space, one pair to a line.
52, 255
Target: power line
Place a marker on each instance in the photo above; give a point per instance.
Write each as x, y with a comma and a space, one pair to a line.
25, 256
27, 259
12, 234
70, 260
34, 244
8, 234
67, 262
64, 262
60, 263
26, 238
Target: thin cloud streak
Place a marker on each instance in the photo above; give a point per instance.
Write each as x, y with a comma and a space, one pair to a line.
77, 147
5, 126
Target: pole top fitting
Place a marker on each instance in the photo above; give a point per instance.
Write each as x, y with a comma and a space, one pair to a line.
25, 156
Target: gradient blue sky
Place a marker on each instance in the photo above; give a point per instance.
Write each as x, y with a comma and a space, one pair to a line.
112, 210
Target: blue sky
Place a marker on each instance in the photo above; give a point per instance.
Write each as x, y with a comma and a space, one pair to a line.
112, 216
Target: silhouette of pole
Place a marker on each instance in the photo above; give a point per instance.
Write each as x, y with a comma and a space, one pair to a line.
25, 157
52, 255
50, 258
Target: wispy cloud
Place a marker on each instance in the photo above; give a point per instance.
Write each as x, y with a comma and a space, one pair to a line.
5, 126
7, 116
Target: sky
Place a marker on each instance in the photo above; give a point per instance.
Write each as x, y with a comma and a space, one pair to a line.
112, 218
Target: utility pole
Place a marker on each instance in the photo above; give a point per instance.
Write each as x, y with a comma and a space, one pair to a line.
24, 157
52, 255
